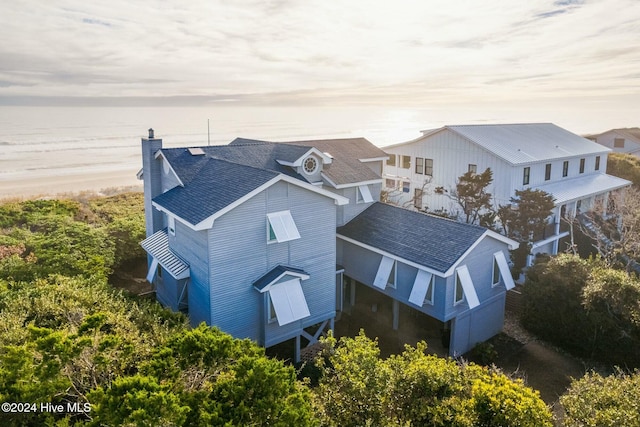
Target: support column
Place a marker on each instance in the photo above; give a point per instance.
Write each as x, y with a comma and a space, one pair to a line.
296, 356
396, 314
554, 251
352, 289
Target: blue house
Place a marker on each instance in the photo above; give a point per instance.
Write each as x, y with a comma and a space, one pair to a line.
243, 237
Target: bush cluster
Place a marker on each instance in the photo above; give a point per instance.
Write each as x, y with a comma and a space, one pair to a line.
588, 309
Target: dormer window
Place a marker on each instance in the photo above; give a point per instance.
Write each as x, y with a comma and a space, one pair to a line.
310, 165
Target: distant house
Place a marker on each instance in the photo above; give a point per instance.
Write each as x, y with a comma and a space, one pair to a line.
626, 140
423, 172
244, 237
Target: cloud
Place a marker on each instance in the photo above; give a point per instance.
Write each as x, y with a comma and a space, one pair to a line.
315, 51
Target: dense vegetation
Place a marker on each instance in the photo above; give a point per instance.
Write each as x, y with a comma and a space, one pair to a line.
68, 336
585, 307
625, 166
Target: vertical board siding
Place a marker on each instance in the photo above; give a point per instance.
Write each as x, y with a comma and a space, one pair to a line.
239, 254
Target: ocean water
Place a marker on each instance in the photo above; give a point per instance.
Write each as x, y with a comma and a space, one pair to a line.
51, 149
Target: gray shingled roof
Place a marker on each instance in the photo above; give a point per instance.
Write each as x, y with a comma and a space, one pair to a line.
274, 273
215, 185
426, 240
346, 167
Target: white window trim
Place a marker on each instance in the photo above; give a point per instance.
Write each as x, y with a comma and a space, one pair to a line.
495, 269
501, 260
385, 269
422, 290
283, 226
271, 311
363, 194
468, 289
288, 301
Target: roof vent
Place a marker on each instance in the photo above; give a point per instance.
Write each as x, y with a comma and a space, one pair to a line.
196, 151
150, 133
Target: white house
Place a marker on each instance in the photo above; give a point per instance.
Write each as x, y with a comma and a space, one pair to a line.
423, 172
625, 140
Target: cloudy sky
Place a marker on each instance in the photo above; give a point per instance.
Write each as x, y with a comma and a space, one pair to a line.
356, 52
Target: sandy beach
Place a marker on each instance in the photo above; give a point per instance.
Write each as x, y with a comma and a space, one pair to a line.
34, 186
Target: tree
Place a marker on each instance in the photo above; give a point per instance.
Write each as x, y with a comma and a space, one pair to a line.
357, 388
597, 401
615, 231
472, 196
524, 220
584, 307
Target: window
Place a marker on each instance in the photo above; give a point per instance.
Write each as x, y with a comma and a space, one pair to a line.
565, 168
288, 302
310, 165
363, 195
581, 165
281, 227
547, 172
422, 291
428, 298
391, 161
271, 312
618, 143
419, 165
459, 296
172, 226
406, 186
391, 282
406, 162
386, 275
597, 163
495, 281
473, 168
390, 183
417, 198
428, 167
525, 176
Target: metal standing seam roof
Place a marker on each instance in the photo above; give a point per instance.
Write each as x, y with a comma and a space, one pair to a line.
157, 245
523, 143
427, 240
582, 186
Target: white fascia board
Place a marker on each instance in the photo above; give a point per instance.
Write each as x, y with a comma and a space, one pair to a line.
298, 162
286, 273
467, 286
139, 175
357, 184
164, 159
374, 159
171, 214
208, 222
510, 242
389, 255
503, 266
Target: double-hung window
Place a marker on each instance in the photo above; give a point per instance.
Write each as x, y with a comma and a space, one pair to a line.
428, 167
597, 163
526, 175
419, 165
473, 168
565, 168
581, 165
405, 162
391, 160
547, 172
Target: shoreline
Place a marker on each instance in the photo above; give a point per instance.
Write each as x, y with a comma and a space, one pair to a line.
99, 182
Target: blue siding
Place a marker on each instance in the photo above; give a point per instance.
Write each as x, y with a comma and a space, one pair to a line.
477, 325
239, 254
347, 212
192, 246
480, 265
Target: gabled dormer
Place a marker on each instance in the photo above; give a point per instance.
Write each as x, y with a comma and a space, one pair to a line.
310, 165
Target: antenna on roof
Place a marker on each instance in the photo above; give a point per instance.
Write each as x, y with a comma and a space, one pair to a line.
208, 134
